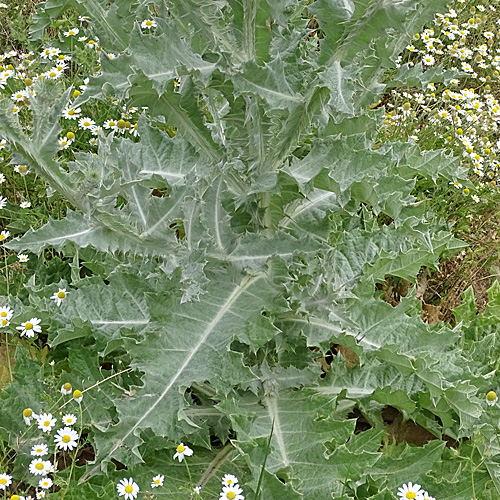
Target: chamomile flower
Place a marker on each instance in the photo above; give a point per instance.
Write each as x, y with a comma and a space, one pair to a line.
229, 479
23, 257
148, 23
197, 490
20, 95
183, 451
25, 204
6, 312
28, 415
3, 6
59, 296
29, 328
72, 32
39, 450
410, 492
40, 494
38, 467
46, 421
233, 492
68, 419
45, 483
71, 113
5, 480
66, 388
157, 481
64, 142
22, 170
426, 496
86, 123
53, 73
66, 438
2, 178
491, 398
127, 488
4, 235
77, 396
110, 124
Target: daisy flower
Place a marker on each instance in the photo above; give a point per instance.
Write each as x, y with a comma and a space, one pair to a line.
72, 32
110, 124
46, 422
148, 23
157, 481
491, 398
410, 492
229, 479
2, 178
183, 451
53, 73
426, 496
28, 415
45, 483
23, 257
66, 438
25, 204
128, 488
64, 142
5, 480
40, 494
233, 492
3, 6
3, 202
78, 396
38, 467
86, 123
6, 312
59, 296
66, 388
29, 328
428, 60
20, 95
21, 170
4, 235
39, 450
71, 113
69, 419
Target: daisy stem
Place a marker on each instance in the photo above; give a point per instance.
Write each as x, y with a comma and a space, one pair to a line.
8, 355
6, 270
189, 473
26, 188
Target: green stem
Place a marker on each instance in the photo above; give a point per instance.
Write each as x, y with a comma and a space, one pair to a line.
189, 473
8, 356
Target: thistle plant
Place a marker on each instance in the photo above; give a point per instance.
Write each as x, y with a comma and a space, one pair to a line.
224, 231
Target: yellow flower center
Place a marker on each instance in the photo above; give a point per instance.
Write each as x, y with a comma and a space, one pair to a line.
231, 495
149, 23
39, 466
67, 386
52, 74
71, 112
66, 439
22, 168
27, 413
3, 314
5, 322
112, 124
61, 295
70, 135
129, 489
47, 423
77, 394
39, 450
2, 237
76, 93
157, 481
28, 326
63, 143
410, 495
491, 396
229, 481
3, 480
121, 124
86, 124
180, 449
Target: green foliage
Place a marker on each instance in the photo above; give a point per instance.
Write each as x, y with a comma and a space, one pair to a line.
224, 259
